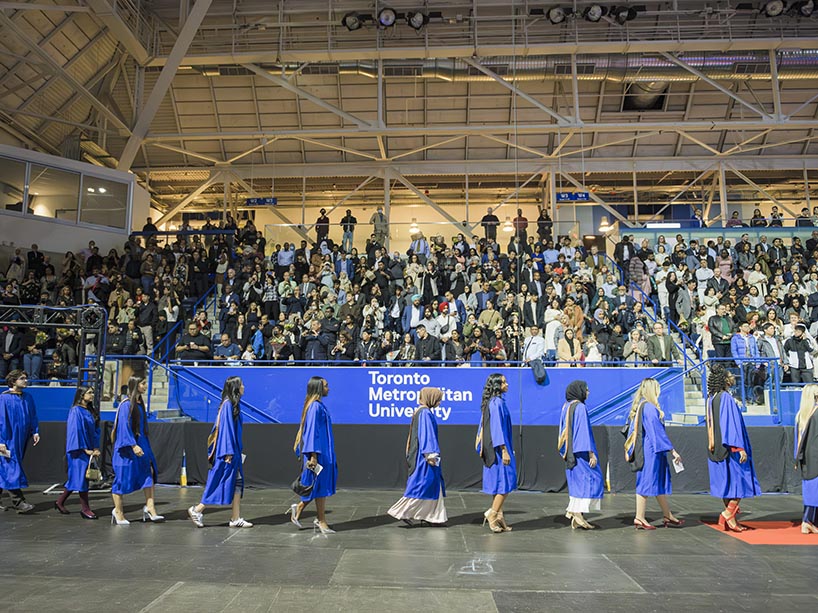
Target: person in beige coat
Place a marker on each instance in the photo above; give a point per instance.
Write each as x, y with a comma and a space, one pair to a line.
569, 350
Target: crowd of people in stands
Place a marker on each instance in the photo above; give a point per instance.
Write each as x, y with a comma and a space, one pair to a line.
466, 301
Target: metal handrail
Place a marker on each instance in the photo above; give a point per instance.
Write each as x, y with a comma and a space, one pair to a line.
165, 342
598, 414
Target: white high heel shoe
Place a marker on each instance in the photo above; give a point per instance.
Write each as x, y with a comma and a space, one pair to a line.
291, 512
316, 527
118, 522
146, 515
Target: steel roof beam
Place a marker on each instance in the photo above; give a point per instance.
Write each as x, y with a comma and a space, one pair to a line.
108, 15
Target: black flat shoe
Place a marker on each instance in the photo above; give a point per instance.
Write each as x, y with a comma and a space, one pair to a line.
62, 510
89, 515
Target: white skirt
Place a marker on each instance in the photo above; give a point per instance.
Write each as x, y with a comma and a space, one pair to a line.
583, 505
432, 511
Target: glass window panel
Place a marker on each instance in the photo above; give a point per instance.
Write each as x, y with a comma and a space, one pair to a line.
53, 193
12, 183
104, 203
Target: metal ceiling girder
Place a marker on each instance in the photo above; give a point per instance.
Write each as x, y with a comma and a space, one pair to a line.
30, 6
106, 13
63, 74
682, 64
160, 88
215, 177
465, 229
201, 156
261, 145
297, 228
596, 198
560, 119
495, 129
682, 192
755, 185
700, 143
746, 141
301, 93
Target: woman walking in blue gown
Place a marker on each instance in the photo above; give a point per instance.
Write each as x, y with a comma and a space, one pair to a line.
646, 449
425, 490
730, 455
133, 462
806, 455
495, 447
81, 444
224, 446
315, 444
577, 447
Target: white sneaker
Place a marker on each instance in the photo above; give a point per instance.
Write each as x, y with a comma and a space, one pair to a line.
240, 523
24, 507
196, 518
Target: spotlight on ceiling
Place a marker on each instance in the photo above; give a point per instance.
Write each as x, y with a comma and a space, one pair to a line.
352, 21
805, 8
774, 8
623, 14
387, 17
556, 15
595, 12
417, 19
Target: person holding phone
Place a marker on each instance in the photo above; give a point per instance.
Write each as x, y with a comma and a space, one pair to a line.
316, 446
577, 447
18, 424
646, 448
494, 445
133, 462
81, 444
224, 447
423, 499
730, 455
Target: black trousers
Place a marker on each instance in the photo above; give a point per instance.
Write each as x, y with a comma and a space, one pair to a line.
801, 375
722, 350
16, 497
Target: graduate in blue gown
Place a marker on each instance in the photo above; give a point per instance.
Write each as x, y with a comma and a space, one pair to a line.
577, 447
730, 455
18, 424
495, 447
224, 447
646, 448
806, 455
315, 445
81, 444
425, 490
133, 462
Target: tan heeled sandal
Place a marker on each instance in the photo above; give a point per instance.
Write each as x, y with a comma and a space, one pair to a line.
501, 518
491, 517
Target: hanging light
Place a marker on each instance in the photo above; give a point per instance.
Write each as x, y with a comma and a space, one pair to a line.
417, 19
413, 227
604, 226
387, 17
623, 14
507, 227
556, 15
773, 8
352, 21
594, 13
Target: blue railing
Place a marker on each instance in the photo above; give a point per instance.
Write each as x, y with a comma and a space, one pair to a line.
610, 408
162, 351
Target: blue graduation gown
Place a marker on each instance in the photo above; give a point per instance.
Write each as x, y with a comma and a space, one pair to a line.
654, 478
809, 487
729, 478
18, 423
222, 476
81, 433
583, 481
131, 473
316, 437
499, 478
426, 482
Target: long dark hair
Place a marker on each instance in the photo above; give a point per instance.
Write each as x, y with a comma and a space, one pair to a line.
492, 389
718, 380
315, 391
137, 403
232, 392
79, 401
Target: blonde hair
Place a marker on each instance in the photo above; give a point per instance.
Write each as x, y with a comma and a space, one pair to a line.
809, 398
648, 391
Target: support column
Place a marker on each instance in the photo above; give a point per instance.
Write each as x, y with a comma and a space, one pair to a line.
387, 205
723, 194
552, 201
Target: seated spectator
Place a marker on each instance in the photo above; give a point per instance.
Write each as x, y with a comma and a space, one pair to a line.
193, 345
226, 349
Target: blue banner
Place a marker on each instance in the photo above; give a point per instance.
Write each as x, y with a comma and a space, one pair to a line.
388, 395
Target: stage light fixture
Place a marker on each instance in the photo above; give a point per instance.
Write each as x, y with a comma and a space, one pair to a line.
352, 21
774, 8
594, 13
556, 15
387, 17
623, 14
805, 8
417, 19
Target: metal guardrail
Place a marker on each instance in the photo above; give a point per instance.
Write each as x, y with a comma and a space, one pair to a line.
165, 343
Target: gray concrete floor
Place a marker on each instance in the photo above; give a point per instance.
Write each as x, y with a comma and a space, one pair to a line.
63, 563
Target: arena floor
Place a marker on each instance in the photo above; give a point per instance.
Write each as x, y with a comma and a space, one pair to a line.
53, 562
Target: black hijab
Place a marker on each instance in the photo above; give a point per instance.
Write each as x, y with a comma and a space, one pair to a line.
576, 390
